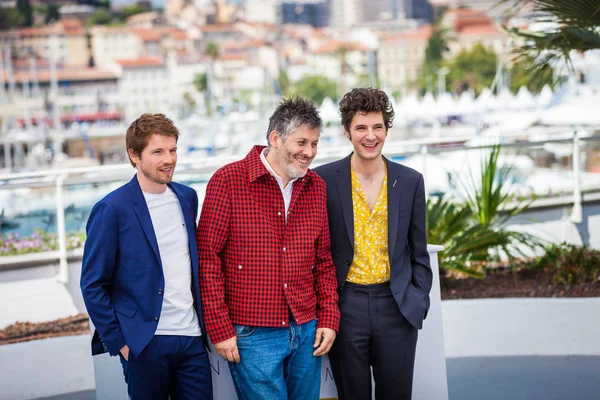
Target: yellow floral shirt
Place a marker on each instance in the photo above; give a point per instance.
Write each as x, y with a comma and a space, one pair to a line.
371, 262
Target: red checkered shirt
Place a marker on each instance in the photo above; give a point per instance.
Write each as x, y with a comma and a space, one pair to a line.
254, 268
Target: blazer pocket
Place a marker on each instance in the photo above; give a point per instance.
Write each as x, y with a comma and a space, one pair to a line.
125, 309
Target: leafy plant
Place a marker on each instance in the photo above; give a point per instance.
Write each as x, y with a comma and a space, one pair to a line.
576, 29
472, 230
569, 264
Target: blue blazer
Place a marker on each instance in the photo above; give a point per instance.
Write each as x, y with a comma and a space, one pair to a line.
411, 275
122, 280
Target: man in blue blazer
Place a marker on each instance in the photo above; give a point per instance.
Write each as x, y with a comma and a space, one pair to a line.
139, 275
376, 214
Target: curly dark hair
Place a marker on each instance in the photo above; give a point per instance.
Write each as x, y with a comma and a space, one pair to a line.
366, 100
291, 114
139, 132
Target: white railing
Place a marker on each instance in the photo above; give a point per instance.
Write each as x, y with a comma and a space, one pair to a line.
60, 178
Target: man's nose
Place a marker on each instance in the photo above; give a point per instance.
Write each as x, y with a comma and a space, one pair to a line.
169, 158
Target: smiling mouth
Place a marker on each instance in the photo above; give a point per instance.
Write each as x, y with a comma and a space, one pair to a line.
166, 170
370, 146
302, 161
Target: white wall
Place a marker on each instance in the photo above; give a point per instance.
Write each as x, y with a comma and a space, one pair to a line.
44, 368
35, 295
521, 327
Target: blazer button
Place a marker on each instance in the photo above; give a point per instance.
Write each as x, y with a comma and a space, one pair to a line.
160, 292
156, 318
347, 262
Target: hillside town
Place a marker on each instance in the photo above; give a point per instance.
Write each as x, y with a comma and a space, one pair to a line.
99, 63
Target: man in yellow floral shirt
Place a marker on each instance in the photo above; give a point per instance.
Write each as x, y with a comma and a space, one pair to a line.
378, 243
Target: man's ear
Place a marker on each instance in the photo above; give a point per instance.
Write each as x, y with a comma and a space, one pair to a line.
274, 138
347, 134
133, 156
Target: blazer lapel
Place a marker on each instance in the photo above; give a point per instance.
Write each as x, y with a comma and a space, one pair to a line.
394, 191
141, 210
344, 186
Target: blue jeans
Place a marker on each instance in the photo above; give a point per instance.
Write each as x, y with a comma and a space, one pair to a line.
277, 363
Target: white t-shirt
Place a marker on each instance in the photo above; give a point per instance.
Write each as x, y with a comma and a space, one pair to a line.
177, 316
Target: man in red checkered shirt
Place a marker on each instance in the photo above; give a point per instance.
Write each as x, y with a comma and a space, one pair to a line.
268, 284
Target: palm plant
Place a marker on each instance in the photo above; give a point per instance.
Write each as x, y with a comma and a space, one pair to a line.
341, 52
488, 197
472, 231
577, 21
201, 85
211, 51
448, 224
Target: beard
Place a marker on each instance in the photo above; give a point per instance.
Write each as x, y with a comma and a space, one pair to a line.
155, 176
286, 160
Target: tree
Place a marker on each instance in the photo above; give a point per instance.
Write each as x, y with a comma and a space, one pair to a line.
201, 85
576, 29
212, 52
341, 52
284, 83
474, 69
437, 46
316, 87
128, 11
100, 17
10, 18
24, 7
52, 13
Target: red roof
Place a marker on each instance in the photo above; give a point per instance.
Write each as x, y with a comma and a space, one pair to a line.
331, 46
217, 28
232, 57
479, 30
69, 27
82, 75
142, 62
177, 34
463, 17
147, 35
424, 32
97, 116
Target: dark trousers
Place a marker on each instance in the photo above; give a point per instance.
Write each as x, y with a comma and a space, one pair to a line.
174, 367
373, 334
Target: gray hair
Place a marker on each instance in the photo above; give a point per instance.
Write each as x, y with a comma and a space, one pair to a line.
291, 114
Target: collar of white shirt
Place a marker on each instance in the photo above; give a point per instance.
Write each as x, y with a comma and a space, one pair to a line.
263, 159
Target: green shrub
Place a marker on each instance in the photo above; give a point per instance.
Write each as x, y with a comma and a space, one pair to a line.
569, 264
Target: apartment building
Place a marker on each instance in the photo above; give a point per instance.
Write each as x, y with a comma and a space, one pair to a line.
401, 56
470, 27
144, 86
114, 43
64, 40
84, 94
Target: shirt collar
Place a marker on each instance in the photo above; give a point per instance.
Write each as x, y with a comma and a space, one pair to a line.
256, 168
263, 158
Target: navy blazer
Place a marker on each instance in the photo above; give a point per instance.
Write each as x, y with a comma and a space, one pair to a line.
410, 271
122, 280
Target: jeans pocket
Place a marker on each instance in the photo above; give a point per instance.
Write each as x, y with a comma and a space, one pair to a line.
243, 330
